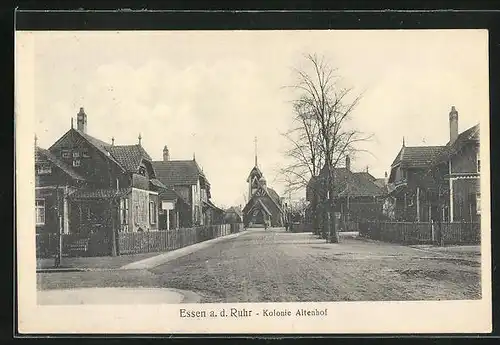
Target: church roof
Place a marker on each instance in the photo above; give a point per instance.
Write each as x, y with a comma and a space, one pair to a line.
255, 170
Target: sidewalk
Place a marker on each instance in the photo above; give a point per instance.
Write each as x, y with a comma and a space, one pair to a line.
90, 263
172, 255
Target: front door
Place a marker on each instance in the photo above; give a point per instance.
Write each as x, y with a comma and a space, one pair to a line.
257, 217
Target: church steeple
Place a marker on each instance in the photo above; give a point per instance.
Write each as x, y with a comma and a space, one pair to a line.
255, 141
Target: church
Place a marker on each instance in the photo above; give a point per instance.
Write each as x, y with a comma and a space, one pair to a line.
264, 204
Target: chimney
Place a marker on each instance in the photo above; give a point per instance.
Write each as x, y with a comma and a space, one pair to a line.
112, 141
453, 124
348, 163
81, 121
140, 138
166, 154
386, 179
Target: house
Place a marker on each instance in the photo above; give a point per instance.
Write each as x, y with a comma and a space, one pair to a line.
456, 172
264, 204
187, 196
357, 195
409, 198
91, 186
438, 182
233, 215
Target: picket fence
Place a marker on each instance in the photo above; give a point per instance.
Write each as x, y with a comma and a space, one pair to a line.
422, 232
165, 240
98, 244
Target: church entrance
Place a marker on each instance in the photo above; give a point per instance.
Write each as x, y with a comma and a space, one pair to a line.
257, 217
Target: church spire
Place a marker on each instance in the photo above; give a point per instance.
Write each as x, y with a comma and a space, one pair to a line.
255, 141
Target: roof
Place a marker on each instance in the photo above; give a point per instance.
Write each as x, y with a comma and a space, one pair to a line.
43, 153
274, 195
212, 205
234, 209
157, 183
99, 193
366, 175
171, 194
471, 134
256, 170
353, 184
175, 173
102, 146
129, 156
259, 202
417, 156
380, 182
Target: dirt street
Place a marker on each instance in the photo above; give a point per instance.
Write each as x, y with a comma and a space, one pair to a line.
275, 266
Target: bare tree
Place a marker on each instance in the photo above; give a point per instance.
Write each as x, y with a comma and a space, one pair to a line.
323, 108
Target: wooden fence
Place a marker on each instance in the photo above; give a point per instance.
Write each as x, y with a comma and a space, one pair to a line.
422, 232
98, 244
166, 240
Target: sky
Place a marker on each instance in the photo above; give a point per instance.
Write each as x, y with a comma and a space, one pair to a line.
209, 93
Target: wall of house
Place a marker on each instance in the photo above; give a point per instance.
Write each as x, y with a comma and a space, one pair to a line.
139, 210
196, 204
93, 165
464, 200
139, 181
465, 161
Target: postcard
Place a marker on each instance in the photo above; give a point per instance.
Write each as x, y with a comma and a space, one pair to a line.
327, 181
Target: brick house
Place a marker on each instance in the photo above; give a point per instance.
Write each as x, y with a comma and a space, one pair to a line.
93, 187
357, 195
187, 194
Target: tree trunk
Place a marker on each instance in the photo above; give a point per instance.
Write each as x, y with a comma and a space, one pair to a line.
314, 211
330, 229
113, 230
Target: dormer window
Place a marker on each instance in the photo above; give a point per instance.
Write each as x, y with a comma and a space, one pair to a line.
142, 171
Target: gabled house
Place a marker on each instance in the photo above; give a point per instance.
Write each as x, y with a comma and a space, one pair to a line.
456, 172
409, 197
357, 195
264, 204
233, 215
187, 197
107, 187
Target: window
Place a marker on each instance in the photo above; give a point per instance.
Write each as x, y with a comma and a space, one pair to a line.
124, 211
66, 154
478, 203
43, 169
76, 162
152, 212
76, 154
40, 211
85, 153
142, 171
